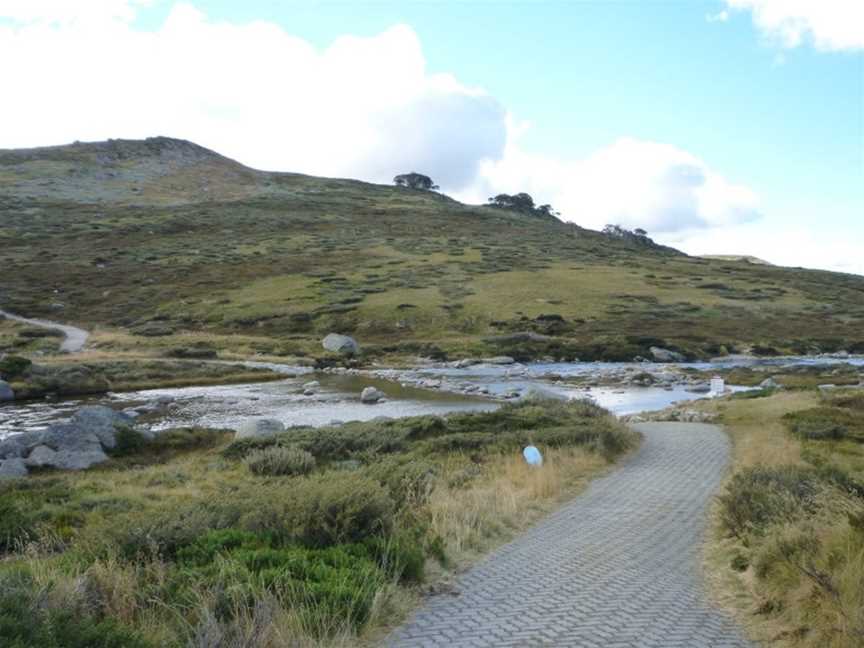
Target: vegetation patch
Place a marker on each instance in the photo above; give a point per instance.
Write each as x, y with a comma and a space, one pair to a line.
792, 513
317, 535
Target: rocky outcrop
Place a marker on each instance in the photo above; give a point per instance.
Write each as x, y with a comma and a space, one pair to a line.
12, 448
341, 344
665, 355
12, 469
259, 428
371, 395
75, 445
499, 360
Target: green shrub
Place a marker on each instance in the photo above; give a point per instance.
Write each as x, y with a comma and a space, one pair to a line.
280, 460
187, 438
16, 525
400, 555
26, 622
164, 534
340, 509
739, 562
128, 442
759, 497
327, 587
763, 392
851, 400
506, 427
820, 423
408, 480
14, 366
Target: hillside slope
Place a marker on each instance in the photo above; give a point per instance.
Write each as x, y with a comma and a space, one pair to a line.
161, 243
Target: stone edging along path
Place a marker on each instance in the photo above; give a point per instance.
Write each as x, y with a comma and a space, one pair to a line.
617, 567
75, 338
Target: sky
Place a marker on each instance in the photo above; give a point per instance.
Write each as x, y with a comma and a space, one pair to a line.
720, 127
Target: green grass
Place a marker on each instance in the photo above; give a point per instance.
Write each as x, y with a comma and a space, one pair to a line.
281, 259
101, 376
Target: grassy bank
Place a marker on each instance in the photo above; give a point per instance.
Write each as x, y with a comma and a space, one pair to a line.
64, 378
314, 537
788, 547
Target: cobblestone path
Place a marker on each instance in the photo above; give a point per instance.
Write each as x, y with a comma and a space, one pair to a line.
617, 567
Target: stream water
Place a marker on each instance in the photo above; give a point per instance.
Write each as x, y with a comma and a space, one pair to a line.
338, 396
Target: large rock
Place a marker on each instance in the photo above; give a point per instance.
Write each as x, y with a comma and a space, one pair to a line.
342, 344
699, 388
12, 469
665, 355
68, 437
103, 422
6, 393
499, 360
74, 447
41, 456
371, 395
79, 459
12, 448
259, 428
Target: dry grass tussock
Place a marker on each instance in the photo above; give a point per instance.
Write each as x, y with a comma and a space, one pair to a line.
787, 552
508, 497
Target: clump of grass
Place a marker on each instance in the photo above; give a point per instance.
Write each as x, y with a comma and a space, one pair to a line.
30, 616
798, 522
826, 423
280, 460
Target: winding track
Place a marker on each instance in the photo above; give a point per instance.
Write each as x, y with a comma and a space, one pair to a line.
617, 567
75, 338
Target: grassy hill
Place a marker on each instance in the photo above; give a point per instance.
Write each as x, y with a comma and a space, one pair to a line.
161, 243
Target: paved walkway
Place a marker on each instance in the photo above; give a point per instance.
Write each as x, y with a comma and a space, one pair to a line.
617, 567
75, 338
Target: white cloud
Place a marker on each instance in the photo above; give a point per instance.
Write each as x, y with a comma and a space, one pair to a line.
796, 245
720, 16
830, 25
362, 107
633, 183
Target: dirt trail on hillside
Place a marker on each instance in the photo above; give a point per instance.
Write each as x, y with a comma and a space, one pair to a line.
75, 340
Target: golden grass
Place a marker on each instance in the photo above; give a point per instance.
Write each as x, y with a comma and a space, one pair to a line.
810, 599
507, 498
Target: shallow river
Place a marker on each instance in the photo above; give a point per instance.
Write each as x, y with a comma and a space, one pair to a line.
338, 397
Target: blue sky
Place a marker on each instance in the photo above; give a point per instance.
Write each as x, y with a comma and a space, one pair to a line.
772, 120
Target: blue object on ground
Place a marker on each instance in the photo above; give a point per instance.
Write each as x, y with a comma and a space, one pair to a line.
532, 456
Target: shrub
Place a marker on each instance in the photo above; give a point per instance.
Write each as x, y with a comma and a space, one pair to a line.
759, 497
332, 510
852, 400
327, 587
26, 622
280, 460
14, 366
762, 392
128, 442
16, 526
163, 535
823, 423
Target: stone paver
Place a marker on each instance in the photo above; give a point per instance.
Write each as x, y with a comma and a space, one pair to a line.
619, 566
